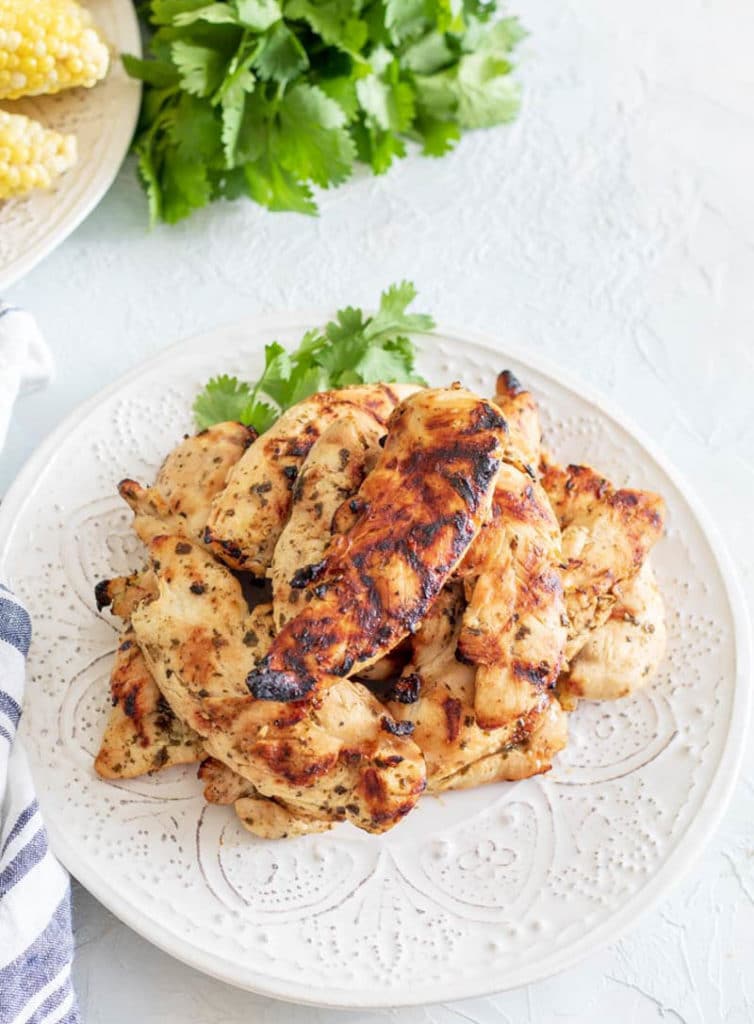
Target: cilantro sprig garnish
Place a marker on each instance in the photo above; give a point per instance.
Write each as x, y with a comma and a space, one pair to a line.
352, 349
268, 98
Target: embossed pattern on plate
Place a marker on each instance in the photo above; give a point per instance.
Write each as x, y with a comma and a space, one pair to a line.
474, 892
103, 120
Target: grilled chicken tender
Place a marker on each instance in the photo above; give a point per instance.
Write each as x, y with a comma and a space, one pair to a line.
123, 593
221, 784
332, 472
248, 517
269, 819
334, 758
265, 818
532, 756
193, 473
522, 416
436, 693
606, 537
514, 625
622, 655
514, 628
179, 502
421, 508
142, 733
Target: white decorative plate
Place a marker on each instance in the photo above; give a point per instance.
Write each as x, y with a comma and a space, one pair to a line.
103, 120
472, 893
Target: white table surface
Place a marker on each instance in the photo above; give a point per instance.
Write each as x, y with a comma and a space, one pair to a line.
612, 229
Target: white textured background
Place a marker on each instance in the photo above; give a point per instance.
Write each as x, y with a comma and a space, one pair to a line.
611, 228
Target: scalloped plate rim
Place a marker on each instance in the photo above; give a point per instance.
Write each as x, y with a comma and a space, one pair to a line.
107, 172
681, 857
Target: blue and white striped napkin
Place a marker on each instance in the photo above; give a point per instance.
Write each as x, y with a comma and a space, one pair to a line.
36, 945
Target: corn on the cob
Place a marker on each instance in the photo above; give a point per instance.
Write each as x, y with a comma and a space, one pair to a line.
46, 46
31, 156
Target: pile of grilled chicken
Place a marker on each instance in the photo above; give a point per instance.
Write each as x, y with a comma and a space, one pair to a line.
393, 591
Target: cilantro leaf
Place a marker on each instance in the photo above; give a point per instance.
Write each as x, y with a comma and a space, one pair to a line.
438, 137
392, 318
405, 18
384, 364
282, 57
351, 349
277, 373
486, 94
277, 189
259, 415
223, 398
377, 147
185, 186
258, 15
428, 54
159, 73
164, 12
228, 183
387, 104
343, 91
213, 14
333, 20
310, 138
201, 68
196, 131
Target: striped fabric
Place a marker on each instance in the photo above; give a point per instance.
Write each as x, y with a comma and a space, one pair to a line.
36, 946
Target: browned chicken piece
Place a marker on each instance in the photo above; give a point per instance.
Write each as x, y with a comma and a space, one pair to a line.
436, 694
522, 416
123, 593
269, 819
190, 477
332, 472
263, 817
532, 756
514, 628
621, 656
334, 758
421, 507
142, 733
179, 502
248, 517
606, 537
390, 665
221, 784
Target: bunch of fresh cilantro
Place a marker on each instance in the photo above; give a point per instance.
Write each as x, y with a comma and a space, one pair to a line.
266, 98
352, 349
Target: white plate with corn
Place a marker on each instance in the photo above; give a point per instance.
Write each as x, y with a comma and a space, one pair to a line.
67, 115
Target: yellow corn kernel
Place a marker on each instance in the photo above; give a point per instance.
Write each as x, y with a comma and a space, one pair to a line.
31, 156
46, 46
